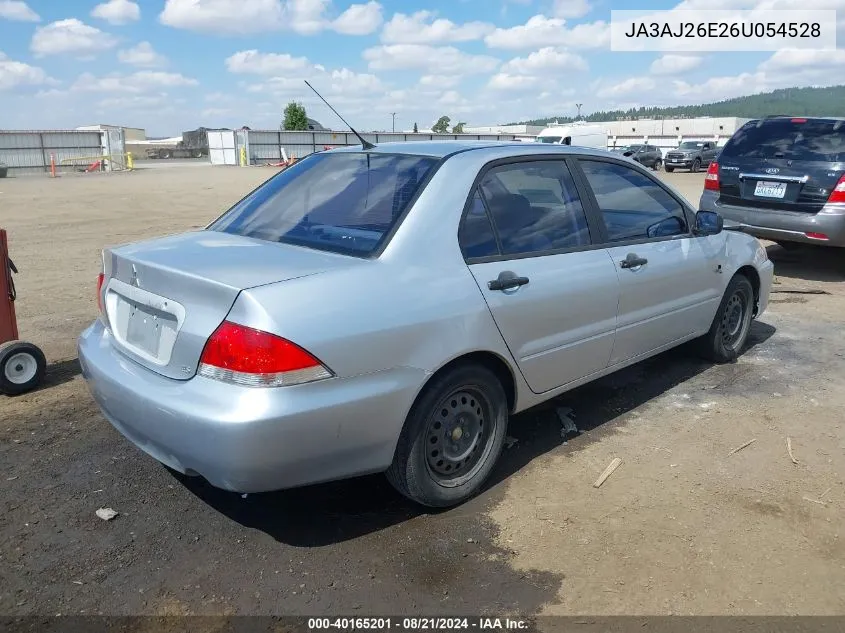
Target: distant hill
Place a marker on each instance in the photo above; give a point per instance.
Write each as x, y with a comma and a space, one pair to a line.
798, 101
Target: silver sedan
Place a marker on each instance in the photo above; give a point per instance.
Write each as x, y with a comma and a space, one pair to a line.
387, 310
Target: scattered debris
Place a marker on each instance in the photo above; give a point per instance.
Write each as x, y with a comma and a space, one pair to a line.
77, 582
510, 441
11, 478
739, 448
800, 291
660, 448
106, 514
821, 503
822, 495
607, 472
469, 540
565, 415
789, 450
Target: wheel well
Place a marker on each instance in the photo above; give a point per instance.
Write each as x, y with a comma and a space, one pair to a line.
750, 273
492, 362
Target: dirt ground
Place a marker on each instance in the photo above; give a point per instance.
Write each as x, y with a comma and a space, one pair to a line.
682, 526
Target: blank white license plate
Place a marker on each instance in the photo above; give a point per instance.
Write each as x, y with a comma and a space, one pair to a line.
144, 331
770, 189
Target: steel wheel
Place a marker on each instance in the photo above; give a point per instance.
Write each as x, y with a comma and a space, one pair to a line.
735, 320
22, 366
457, 437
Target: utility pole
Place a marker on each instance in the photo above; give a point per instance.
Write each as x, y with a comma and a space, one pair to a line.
578, 105
393, 114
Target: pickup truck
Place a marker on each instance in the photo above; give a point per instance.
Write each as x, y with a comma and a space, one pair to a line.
179, 151
692, 155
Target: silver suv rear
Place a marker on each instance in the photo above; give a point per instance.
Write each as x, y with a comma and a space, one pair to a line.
784, 178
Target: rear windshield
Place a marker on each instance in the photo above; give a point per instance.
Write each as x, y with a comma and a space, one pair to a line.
790, 139
345, 202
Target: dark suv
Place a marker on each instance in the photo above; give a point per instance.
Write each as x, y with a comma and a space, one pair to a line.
784, 179
691, 155
646, 155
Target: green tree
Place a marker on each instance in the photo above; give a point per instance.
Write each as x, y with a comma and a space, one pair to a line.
295, 118
442, 125
416, 129
458, 128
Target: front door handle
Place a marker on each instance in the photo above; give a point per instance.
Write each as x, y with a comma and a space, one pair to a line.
507, 280
633, 261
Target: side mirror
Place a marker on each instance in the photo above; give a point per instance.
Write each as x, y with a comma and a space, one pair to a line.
708, 223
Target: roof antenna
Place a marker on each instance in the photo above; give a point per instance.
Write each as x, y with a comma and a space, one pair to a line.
364, 143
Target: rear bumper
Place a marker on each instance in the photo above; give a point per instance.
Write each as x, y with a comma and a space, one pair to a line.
787, 226
251, 440
766, 271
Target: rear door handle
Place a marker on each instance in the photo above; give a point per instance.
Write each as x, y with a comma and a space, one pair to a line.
633, 261
507, 280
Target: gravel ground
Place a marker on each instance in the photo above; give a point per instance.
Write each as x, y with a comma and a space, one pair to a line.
681, 527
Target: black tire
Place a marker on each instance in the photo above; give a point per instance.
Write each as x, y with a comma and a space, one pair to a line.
457, 425
729, 330
22, 367
657, 164
696, 166
165, 154
669, 170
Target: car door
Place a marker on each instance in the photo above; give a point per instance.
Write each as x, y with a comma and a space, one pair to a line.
552, 293
708, 152
669, 279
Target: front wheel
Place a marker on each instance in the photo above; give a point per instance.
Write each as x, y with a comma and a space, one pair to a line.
22, 367
451, 438
696, 166
658, 164
729, 330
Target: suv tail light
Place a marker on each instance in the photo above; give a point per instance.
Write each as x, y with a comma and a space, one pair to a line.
838, 193
711, 180
244, 356
100, 279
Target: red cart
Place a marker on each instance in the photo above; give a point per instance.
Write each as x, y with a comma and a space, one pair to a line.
22, 364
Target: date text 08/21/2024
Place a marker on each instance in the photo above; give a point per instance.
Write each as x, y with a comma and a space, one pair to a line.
417, 624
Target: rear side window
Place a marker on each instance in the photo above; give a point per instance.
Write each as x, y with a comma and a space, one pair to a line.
790, 139
535, 207
346, 202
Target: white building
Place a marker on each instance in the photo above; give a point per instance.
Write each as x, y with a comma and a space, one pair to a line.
130, 134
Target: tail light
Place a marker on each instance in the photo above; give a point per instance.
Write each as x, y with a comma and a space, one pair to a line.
100, 279
838, 193
244, 356
711, 180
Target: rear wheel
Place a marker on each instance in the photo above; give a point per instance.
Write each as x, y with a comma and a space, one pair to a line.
22, 367
729, 330
696, 166
658, 164
451, 438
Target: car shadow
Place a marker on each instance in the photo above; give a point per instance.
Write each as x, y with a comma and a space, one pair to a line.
57, 374
808, 263
325, 514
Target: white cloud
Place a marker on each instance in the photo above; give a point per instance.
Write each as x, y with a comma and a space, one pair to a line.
675, 64
70, 37
14, 74
543, 31
435, 59
543, 60
571, 8
632, 85
117, 11
505, 81
242, 17
359, 19
18, 11
422, 28
138, 83
440, 81
142, 55
255, 63
788, 60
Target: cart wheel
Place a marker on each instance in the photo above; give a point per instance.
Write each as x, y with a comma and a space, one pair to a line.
22, 366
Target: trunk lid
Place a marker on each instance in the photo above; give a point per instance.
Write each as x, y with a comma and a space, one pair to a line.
783, 164
165, 297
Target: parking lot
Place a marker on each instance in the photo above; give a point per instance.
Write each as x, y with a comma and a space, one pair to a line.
683, 526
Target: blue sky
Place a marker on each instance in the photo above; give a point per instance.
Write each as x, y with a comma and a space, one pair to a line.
173, 65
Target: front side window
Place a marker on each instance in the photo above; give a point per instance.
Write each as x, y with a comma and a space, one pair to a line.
345, 202
535, 207
633, 206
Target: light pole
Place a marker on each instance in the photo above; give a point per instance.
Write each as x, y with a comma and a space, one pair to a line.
578, 105
393, 114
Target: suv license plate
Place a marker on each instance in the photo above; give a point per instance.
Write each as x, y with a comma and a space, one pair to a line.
770, 189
